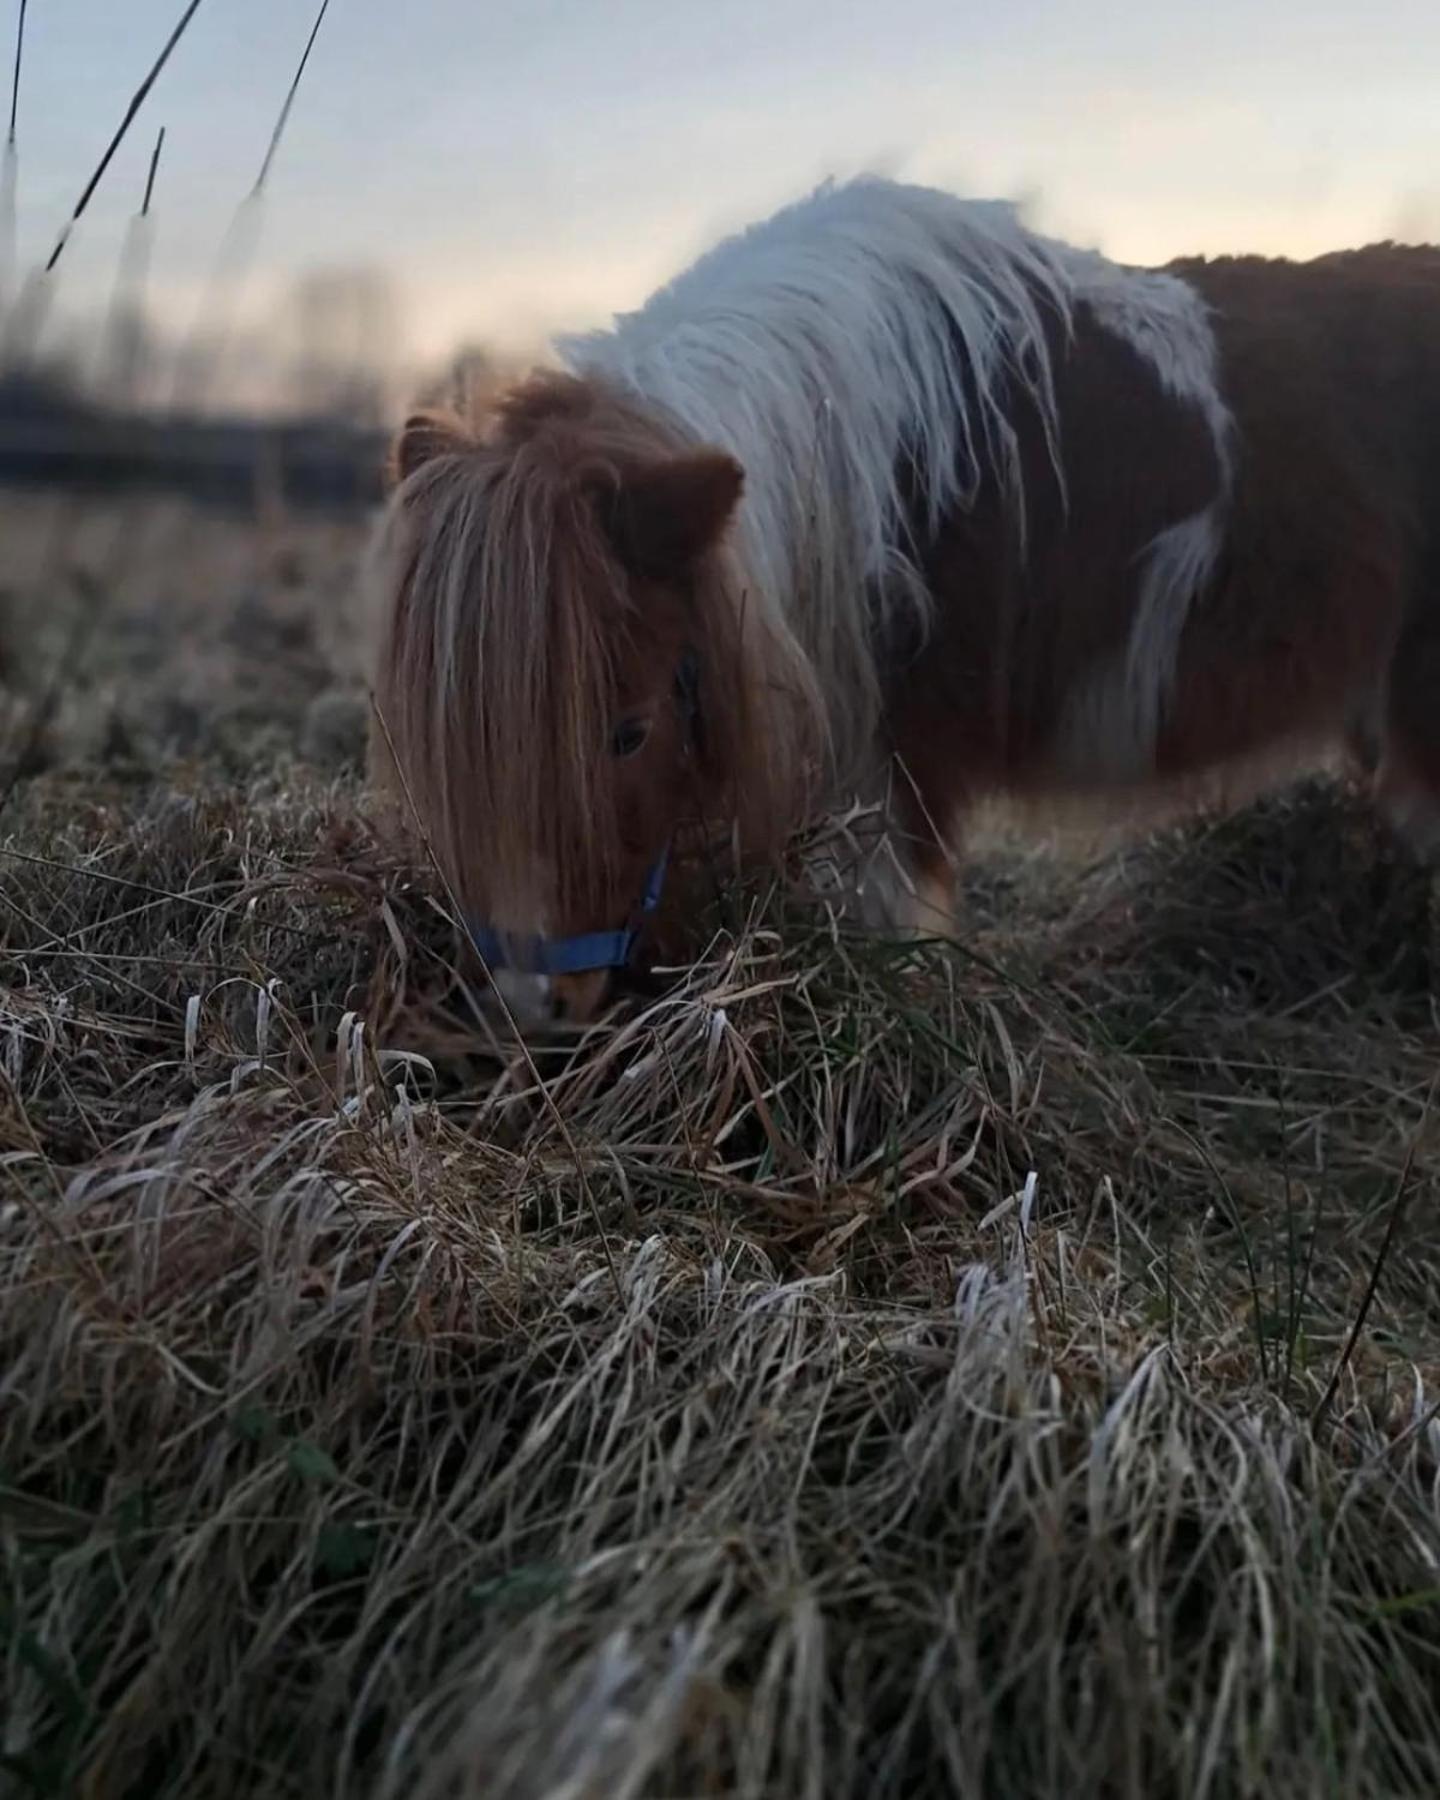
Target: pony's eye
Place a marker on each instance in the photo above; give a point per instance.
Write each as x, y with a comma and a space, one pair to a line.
630, 736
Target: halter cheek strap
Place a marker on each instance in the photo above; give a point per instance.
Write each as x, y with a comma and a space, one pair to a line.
592, 950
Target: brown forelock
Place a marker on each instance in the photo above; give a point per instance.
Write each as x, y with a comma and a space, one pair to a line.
666, 506
507, 573
499, 678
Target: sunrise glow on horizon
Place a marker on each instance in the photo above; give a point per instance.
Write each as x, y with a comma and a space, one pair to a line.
514, 169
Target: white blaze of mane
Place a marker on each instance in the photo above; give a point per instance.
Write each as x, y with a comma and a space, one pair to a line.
834, 342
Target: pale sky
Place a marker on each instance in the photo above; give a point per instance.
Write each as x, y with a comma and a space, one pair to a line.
525, 165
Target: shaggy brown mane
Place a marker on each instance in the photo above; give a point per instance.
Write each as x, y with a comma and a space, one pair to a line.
521, 541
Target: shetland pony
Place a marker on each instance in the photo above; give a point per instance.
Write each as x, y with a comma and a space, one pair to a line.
890, 496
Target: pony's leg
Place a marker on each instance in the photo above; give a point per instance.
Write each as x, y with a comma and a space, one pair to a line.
931, 827
900, 884
932, 904
939, 773
1361, 740
1407, 782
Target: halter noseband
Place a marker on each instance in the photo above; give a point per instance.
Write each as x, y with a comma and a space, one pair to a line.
590, 950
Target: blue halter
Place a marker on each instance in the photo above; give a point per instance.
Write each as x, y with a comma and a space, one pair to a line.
574, 955
593, 949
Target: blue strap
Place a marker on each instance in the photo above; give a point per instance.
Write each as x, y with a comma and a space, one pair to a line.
556, 956
574, 955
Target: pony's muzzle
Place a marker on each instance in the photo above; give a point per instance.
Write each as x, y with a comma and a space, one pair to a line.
527, 997
565, 978
575, 999
538, 1000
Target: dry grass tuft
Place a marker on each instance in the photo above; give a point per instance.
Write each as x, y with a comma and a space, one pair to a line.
939, 1374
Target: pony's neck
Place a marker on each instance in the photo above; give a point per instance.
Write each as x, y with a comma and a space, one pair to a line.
857, 353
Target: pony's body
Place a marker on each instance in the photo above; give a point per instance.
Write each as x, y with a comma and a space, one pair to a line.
1013, 519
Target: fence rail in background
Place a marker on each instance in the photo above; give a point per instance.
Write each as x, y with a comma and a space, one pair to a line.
309, 466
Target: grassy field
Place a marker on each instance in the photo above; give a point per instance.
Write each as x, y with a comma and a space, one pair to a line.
1005, 1369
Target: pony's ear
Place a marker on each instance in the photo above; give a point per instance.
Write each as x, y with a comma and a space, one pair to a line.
425, 435
663, 516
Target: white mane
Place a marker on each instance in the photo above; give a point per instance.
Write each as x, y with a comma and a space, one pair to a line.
837, 341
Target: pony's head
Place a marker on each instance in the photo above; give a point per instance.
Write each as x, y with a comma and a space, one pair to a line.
572, 675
